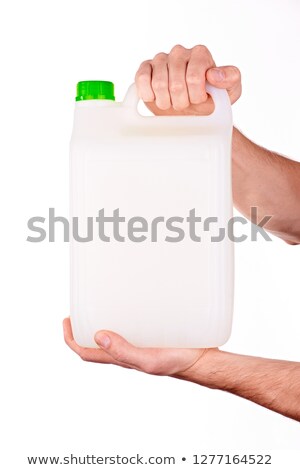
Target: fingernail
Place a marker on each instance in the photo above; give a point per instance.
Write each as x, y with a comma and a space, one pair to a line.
217, 74
103, 340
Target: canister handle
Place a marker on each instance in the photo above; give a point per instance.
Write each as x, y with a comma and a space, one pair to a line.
221, 113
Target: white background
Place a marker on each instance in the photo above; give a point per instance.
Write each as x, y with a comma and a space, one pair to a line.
53, 403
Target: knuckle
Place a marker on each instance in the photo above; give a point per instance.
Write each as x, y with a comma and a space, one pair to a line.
119, 355
193, 78
160, 56
158, 84
178, 49
145, 63
142, 77
143, 69
235, 73
177, 87
200, 48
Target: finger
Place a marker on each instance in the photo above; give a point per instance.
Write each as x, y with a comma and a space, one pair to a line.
143, 82
86, 354
228, 77
121, 350
177, 63
68, 336
160, 81
199, 62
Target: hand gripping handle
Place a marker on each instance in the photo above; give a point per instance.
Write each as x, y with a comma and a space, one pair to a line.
222, 112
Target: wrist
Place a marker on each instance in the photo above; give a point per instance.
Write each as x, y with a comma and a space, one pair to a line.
209, 370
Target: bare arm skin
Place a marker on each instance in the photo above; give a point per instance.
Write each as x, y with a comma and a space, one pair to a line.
173, 84
271, 383
270, 182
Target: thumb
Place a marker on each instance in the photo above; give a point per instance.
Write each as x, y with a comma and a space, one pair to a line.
227, 77
123, 351
158, 361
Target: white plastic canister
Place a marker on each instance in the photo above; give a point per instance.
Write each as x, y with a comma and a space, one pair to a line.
150, 205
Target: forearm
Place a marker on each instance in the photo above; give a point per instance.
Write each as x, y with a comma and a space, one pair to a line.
270, 182
273, 384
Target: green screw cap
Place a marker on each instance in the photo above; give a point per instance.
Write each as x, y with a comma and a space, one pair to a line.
95, 90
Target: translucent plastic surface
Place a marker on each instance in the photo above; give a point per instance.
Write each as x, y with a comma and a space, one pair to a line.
156, 287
